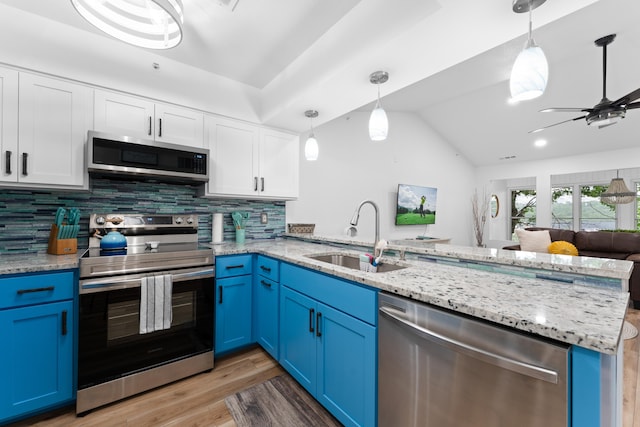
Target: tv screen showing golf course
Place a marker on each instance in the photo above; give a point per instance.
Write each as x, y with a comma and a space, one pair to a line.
416, 205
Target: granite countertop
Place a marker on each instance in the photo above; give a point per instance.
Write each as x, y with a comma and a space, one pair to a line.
601, 267
32, 263
589, 317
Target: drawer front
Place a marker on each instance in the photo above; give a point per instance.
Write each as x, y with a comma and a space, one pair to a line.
348, 297
268, 267
233, 265
29, 289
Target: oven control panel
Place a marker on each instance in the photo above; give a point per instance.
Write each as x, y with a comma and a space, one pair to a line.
119, 221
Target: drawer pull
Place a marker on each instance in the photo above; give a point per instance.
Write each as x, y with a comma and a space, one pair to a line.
30, 291
64, 322
267, 284
265, 268
230, 267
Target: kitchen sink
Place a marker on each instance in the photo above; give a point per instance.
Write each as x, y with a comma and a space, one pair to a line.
353, 262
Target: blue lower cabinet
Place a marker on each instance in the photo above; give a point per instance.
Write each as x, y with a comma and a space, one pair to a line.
331, 354
36, 361
233, 313
265, 315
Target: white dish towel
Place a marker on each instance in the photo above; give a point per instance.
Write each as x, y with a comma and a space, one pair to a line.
155, 303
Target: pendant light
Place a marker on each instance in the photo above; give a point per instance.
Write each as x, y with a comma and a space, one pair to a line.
152, 24
311, 146
378, 122
530, 71
617, 193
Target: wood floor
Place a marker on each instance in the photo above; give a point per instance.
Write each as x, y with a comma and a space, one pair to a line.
199, 400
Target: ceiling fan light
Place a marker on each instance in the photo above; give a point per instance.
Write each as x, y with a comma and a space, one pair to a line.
152, 24
529, 74
378, 124
311, 148
606, 118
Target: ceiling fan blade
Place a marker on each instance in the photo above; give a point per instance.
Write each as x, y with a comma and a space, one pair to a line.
630, 97
556, 124
633, 105
566, 110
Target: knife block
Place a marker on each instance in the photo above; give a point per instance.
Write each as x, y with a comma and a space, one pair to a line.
60, 246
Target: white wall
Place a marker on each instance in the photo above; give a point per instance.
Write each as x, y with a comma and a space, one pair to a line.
351, 168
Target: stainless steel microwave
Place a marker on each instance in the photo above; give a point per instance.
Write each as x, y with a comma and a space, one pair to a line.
123, 155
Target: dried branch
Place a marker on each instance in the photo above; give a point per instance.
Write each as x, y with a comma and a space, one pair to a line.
479, 207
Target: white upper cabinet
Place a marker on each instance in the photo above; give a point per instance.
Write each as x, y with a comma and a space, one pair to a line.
249, 161
140, 118
8, 125
279, 164
179, 125
53, 119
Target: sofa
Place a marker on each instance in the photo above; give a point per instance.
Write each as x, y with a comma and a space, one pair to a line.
602, 244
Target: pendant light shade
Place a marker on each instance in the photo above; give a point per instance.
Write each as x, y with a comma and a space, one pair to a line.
378, 122
617, 193
529, 74
530, 71
152, 24
311, 149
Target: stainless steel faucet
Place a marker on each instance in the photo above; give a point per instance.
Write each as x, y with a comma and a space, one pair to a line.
356, 216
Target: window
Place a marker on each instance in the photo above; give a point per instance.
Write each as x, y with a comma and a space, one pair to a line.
595, 215
562, 207
523, 209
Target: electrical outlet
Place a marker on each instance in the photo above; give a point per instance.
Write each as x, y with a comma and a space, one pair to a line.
264, 219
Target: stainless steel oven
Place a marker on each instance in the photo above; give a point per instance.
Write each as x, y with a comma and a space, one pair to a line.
117, 356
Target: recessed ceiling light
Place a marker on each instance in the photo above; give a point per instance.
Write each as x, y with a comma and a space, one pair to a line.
540, 142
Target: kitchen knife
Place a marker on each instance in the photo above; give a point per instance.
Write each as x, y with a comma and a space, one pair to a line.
60, 213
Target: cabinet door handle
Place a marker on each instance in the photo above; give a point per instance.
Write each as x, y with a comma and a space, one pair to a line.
24, 164
265, 268
220, 298
318, 319
230, 267
64, 322
160, 128
32, 290
255, 183
267, 284
150, 124
311, 312
7, 159
262, 184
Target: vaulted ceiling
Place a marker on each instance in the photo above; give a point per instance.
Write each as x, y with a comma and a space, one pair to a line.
449, 61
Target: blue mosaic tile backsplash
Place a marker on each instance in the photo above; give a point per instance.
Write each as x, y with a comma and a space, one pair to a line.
26, 216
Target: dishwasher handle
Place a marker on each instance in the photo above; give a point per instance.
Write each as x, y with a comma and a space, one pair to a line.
469, 350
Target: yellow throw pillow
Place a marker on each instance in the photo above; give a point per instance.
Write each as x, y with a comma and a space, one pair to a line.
563, 248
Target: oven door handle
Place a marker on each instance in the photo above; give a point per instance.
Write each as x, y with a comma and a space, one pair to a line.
134, 281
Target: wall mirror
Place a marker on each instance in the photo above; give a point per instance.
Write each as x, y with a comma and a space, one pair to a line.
494, 205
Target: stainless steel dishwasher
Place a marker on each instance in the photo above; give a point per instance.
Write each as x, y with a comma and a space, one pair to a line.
439, 369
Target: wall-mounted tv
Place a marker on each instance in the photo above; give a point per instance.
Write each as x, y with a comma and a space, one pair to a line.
416, 205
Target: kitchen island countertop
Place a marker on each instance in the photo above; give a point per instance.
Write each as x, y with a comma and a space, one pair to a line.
586, 316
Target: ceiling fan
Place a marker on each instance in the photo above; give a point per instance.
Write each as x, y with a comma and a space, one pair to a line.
606, 112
